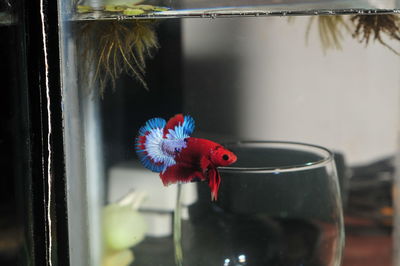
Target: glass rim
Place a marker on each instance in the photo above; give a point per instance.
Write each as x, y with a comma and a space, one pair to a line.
326, 154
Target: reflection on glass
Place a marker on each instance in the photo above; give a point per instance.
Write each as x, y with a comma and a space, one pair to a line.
6, 12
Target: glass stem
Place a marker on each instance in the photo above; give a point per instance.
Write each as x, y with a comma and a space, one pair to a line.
178, 229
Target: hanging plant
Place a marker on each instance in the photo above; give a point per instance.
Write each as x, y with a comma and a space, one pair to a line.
375, 27
362, 27
109, 48
330, 30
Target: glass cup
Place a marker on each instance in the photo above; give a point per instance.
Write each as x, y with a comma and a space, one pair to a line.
278, 205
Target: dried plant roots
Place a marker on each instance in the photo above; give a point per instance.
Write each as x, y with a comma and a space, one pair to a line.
374, 26
108, 49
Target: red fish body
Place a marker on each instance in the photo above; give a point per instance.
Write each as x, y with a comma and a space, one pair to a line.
167, 148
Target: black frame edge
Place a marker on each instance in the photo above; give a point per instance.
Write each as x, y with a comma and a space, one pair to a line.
50, 223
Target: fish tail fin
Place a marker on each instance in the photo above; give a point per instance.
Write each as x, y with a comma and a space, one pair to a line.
179, 127
148, 146
152, 124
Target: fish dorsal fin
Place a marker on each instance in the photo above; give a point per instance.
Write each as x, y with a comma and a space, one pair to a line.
179, 127
173, 122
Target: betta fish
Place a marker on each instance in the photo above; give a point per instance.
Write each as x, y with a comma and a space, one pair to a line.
167, 148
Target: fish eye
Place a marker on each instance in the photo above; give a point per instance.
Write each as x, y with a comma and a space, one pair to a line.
225, 157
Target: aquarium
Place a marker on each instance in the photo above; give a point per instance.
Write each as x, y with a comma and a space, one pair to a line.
227, 132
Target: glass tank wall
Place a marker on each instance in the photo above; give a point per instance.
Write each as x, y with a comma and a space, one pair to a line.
303, 115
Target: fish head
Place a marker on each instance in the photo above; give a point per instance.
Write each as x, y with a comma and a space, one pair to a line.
221, 156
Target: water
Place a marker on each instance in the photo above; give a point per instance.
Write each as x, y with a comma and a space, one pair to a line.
288, 215
214, 236
260, 240
241, 78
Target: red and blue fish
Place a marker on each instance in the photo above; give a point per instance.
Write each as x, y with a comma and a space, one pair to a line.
167, 148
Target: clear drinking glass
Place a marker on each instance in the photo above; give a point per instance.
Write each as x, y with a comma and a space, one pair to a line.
278, 205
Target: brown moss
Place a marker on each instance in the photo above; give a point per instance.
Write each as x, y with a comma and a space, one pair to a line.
108, 49
375, 27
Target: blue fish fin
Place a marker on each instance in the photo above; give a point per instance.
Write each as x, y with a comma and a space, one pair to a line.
148, 146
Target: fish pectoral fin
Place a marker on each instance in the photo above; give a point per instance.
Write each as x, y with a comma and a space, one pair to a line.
181, 173
214, 180
205, 164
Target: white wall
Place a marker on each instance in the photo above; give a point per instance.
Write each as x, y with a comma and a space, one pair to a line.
286, 90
